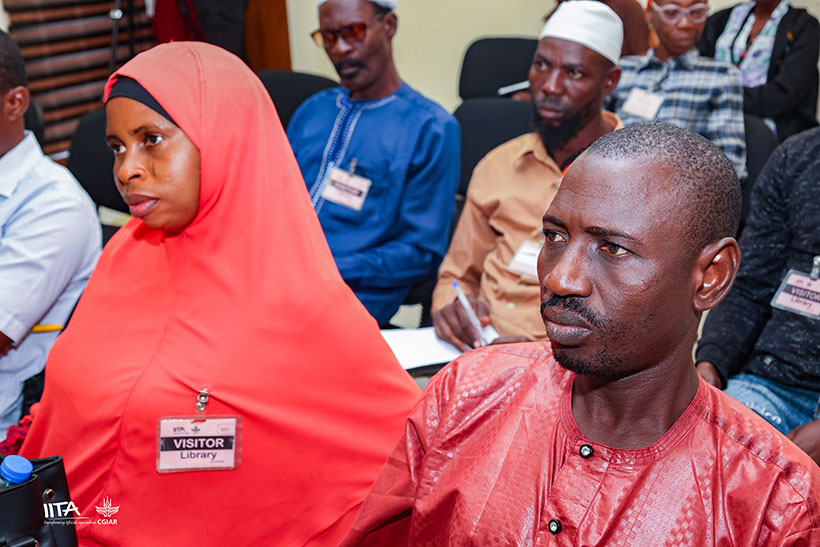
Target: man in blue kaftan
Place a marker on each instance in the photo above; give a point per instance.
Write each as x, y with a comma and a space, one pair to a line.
381, 161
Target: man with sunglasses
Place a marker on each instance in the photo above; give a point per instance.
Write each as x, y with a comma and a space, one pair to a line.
673, 84
381, 161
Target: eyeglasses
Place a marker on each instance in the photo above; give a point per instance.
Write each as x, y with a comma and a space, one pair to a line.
350, 33
672, 14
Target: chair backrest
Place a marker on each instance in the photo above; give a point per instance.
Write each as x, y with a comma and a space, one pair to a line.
289, 89
35, 122
760, 143
491, 63
92, 162
486, 124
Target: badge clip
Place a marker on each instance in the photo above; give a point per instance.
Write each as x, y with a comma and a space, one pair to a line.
815, 268
353, 163
202, 400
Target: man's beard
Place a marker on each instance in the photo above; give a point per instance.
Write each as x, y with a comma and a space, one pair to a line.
555, 136
603, 364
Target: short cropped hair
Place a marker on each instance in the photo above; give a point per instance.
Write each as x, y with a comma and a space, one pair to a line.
12, 67
707, 187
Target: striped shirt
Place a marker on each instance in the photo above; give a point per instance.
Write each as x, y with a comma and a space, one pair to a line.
699, 94
49, 243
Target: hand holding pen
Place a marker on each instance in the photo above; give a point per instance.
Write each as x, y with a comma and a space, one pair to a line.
454, 325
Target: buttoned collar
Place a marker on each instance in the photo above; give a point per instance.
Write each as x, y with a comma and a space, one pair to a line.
531, 143
687, 61
695, 413
17, 162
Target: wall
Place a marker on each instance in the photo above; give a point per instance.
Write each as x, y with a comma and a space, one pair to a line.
431, 40
433, 35
4, 21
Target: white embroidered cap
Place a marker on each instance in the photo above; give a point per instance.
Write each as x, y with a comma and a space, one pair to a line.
590, 23
389, 4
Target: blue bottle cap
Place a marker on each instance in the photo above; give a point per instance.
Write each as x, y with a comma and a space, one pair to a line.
15, 469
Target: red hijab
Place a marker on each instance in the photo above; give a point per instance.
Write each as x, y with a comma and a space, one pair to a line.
246, 302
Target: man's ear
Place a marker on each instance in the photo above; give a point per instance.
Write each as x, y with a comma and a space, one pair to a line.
391, 24
15, 103
611, 81
715, 271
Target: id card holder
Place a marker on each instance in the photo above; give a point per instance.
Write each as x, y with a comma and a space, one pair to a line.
799, 293
525, 261
199, 443
346, 189
643, 104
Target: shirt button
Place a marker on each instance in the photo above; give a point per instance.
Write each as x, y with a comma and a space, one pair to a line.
585, 451
555, 526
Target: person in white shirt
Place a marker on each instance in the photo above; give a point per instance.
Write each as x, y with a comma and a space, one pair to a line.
49, 242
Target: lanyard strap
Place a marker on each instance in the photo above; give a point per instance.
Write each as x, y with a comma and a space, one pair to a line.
749, 43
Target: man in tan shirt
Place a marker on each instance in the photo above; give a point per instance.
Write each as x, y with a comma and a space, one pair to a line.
492, 253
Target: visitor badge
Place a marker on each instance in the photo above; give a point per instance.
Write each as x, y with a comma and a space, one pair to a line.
525, 261
643, 104
346, 189
199, 443
798, 293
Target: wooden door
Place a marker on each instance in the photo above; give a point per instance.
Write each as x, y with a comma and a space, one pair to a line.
267, 43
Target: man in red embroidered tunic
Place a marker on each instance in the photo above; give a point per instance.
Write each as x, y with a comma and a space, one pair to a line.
605, 435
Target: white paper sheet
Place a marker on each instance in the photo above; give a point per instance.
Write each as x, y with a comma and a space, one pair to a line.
421, 347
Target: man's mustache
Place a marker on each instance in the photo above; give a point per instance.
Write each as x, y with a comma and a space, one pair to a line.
349, 63
551, 101
573, 304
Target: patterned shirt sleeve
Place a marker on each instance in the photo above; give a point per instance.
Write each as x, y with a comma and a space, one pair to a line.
725, 127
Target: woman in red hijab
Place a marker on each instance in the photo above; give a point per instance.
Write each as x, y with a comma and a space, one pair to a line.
219, 384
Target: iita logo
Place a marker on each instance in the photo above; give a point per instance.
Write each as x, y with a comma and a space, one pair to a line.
107, 510
61, 510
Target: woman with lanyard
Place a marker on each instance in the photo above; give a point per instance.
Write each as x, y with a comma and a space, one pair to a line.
219, 384
775, 46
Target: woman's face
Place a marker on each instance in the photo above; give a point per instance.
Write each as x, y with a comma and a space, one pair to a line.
156, 166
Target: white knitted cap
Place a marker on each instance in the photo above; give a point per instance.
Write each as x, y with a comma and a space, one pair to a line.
590, 23
389, 4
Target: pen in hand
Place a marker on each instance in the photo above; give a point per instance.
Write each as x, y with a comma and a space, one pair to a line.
468, 309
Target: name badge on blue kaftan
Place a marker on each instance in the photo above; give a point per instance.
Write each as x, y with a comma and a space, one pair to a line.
346, 189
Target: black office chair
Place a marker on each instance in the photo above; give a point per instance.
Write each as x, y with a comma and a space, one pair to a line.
760, 143
491, 63
92, 163
289, 89
485, 124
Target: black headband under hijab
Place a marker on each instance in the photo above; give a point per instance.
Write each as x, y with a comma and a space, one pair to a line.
131, 89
